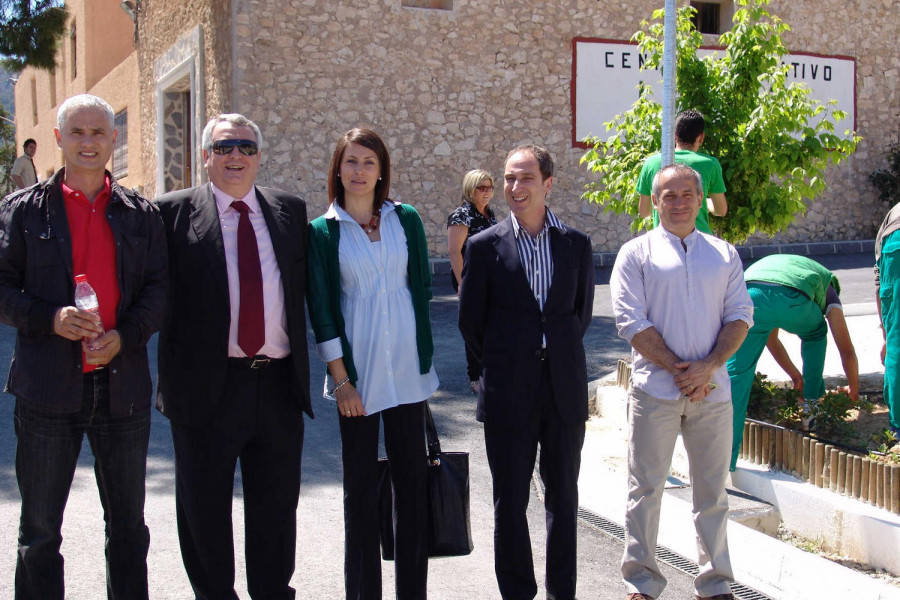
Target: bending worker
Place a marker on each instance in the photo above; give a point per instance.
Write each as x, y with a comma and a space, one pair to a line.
796, 294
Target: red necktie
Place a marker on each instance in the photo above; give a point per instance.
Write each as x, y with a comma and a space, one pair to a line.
251, 323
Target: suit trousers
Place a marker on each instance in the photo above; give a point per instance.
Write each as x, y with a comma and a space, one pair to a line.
260, 423
511, 451
653, 428
404, 442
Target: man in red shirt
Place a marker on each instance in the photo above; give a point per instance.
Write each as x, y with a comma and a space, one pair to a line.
80, 221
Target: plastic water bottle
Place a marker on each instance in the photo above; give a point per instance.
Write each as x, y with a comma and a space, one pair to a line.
86, 300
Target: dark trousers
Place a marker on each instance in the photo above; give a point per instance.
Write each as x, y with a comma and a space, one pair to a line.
47, 451
259, 423
511, 451
473, 366
404, 442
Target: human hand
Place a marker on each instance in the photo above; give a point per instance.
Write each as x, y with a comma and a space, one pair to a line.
797, 382
883, 351
695, 378
349, 401
102, 350
74, 324
849, 391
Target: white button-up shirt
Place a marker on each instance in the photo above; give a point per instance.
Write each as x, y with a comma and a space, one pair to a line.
687, 293
378, 315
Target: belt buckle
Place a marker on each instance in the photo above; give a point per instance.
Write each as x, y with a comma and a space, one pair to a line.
259, 362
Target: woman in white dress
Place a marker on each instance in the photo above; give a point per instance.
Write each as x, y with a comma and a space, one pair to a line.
368, 291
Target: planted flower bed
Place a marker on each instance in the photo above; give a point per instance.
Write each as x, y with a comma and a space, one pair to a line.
849, 448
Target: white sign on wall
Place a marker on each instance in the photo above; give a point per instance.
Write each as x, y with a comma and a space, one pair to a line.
607, 76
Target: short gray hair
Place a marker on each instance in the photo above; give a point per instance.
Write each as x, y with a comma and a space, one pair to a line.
233, 119
679, 169
84, 101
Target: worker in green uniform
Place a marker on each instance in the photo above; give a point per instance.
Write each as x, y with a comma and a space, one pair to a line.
689, 135
797, 294
887, 297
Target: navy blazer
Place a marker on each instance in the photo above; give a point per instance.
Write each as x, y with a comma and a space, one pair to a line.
502, 323
193, 342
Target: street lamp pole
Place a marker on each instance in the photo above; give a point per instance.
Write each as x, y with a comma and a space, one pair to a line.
670, 31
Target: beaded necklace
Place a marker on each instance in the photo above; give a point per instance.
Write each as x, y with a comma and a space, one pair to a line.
373, 223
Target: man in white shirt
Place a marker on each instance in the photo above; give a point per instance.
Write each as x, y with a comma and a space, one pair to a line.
23, 172
679, 299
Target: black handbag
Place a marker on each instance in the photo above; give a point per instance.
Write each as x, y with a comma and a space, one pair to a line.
449, 527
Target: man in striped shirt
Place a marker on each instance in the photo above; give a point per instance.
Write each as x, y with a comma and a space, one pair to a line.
525, 303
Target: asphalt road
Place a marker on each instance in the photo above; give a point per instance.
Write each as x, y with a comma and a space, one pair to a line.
320, 515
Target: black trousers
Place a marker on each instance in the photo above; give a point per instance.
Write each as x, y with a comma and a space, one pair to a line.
473, 366
48, 445
511, 451
404, 441
260, 423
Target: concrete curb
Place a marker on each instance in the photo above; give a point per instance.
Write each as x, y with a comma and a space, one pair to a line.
440, 266
866, 534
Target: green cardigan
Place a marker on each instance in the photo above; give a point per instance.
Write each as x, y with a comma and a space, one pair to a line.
323, 287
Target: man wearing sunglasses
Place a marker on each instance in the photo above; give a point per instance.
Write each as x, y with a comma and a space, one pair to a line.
233, 364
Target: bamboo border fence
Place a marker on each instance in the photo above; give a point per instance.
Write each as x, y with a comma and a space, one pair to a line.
814, 461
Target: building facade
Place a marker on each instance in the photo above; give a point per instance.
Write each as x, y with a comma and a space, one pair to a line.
452, 85
96, 56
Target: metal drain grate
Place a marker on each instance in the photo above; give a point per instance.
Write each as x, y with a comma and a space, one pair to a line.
664, 555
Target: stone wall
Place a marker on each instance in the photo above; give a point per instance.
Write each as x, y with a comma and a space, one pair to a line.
452, 90
868, 32
164, 24
448, 90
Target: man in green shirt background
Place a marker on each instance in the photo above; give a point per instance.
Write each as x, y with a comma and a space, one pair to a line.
689, 135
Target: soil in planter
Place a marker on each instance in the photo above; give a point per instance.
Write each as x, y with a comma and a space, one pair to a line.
863, 429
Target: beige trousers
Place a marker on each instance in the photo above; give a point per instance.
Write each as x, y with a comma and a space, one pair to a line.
653, 427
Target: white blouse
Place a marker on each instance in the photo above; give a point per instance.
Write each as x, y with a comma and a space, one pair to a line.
378, 315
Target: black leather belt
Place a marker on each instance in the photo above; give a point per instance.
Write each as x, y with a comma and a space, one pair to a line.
256, 362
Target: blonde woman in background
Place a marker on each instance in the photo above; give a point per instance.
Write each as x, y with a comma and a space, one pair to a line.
471, 217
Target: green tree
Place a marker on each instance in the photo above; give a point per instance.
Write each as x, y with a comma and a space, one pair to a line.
773, 140
30, 31
888, 180
7, 152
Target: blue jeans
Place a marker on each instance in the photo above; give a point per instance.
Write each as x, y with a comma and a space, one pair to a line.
46, 456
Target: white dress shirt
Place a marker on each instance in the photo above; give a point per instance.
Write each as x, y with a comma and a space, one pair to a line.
277, 344
687, 295
378, 315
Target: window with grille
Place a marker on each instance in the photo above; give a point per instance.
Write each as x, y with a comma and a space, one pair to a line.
73, 38
120, 152
53, 87
708, 18
438, 4
34, 106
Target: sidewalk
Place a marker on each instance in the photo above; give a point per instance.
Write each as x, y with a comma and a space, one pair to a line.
761, 562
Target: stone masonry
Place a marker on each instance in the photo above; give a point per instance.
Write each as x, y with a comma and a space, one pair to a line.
452, 90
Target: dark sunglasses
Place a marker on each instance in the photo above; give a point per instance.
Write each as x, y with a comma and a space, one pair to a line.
485, 188
245, 147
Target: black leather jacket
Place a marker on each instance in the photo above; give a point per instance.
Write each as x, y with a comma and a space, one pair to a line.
36, 279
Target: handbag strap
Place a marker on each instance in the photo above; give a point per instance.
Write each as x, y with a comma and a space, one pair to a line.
432, 442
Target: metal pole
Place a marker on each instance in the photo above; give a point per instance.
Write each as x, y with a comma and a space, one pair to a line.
670, 29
